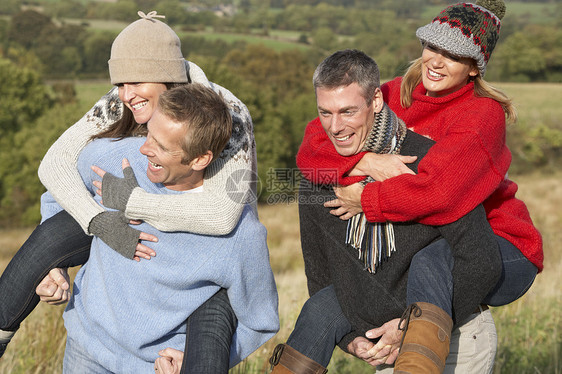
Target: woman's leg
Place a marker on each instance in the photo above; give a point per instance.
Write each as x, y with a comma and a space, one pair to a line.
320, 326
430, 277
518, 274
209, 336
57, 242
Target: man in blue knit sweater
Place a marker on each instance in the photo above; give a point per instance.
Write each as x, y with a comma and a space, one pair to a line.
122, 312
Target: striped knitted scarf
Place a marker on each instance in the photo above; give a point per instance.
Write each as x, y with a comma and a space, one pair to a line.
375, 241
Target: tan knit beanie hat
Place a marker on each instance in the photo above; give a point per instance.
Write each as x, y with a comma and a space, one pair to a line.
147, 50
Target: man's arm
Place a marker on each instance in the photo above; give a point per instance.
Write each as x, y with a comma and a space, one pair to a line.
314, 242
312, 234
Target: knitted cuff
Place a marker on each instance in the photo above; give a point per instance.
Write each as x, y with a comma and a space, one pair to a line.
116, 191
370, 203
114, 230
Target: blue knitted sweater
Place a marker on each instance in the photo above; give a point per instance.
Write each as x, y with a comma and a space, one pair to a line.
122, 312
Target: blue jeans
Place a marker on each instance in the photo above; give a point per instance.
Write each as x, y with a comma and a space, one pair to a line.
430, 277
320, 326
209, 335
57, 242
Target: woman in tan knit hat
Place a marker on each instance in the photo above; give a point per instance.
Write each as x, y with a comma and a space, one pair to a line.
146, 60
443, 96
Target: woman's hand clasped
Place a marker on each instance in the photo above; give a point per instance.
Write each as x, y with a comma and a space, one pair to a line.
381, 167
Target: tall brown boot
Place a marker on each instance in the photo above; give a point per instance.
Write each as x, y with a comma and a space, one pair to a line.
286, 360
425, 344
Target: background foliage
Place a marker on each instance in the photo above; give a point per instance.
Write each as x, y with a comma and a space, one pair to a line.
53, 68
263, 51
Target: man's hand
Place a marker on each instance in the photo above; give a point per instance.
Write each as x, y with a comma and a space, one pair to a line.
115, 191
54, 289
387, 348
360, 347
169, 362
348, 202
383, 166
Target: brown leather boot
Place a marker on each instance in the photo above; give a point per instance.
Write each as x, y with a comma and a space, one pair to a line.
425, 344
286, 360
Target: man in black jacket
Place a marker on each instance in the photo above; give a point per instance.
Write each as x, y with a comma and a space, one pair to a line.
357, 271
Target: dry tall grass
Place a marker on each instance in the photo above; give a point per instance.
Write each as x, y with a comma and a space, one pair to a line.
529, 329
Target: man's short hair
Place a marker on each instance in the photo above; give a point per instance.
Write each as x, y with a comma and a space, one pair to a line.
346, 67
205, 116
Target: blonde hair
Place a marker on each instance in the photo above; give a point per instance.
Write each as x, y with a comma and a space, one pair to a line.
413, 77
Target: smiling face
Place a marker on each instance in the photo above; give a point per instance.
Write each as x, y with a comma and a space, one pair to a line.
141, 98
164, 152
443, 73
346, 117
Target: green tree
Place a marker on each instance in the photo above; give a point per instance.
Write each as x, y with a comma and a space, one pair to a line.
27, 26
519, 59
24, 97
66, 9
284, 73
25, 58
28, 125
324, 39
10, 6
97, 49
20, 155
60, 49
122, 10
146, 5
173, 10
549, 40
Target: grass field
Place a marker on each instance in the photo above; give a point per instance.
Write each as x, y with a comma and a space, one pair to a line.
530, 336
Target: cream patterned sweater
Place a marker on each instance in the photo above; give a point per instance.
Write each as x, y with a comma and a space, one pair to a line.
230, 181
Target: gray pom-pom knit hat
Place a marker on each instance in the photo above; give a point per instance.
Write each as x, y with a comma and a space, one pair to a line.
147, 50
466, 30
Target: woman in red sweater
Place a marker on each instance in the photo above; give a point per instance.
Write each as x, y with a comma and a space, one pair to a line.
443, 96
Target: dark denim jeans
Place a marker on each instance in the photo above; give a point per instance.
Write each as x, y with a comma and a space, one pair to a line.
430, 279
209, 335
320, 326
57, 242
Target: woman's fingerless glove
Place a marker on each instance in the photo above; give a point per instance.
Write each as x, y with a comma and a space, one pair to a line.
116, 191
114, 230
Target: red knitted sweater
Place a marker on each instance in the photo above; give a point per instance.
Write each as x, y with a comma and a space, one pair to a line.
467, 166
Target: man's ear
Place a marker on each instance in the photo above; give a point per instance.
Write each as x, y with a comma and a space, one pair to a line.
201, 162
378, 100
